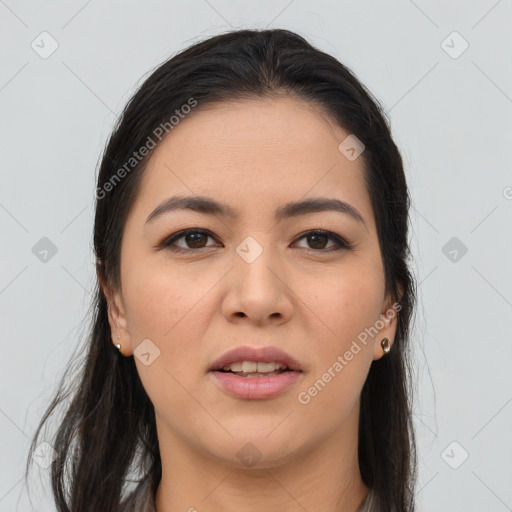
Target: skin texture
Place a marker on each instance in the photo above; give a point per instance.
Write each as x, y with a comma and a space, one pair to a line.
299, 295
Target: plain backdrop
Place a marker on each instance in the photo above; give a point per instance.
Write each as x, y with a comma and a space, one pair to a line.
443, 72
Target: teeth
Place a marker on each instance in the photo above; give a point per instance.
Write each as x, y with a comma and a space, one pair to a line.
253, 367
249, 366
269, 367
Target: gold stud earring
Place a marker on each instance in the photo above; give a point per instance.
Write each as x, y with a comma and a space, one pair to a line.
385, 345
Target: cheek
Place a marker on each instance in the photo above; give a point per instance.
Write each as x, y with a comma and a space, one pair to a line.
166, 304
347, 302
347, 306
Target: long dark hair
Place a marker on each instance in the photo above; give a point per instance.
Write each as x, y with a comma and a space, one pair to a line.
108, 431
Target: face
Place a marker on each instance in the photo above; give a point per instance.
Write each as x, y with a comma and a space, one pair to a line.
246, 277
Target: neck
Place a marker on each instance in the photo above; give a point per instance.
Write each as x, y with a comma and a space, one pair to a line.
324, 478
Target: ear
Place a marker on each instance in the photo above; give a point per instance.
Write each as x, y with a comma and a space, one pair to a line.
116, 315
387, 325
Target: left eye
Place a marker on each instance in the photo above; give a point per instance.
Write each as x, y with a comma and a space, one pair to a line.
197, 238
315, 238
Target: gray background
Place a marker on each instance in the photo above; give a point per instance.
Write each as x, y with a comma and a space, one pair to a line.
451, 116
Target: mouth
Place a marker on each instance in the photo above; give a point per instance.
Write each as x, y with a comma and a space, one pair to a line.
253, 374
248, 360
252, 369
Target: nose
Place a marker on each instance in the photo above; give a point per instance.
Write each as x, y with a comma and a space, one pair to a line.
256, 288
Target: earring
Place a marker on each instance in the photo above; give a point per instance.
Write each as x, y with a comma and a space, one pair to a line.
118, 345
385, 345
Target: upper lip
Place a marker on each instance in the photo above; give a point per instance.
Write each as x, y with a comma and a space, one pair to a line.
261, 354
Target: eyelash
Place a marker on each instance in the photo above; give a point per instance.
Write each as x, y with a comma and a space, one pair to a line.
167, 243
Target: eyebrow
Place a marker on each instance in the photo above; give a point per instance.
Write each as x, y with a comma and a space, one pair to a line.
210, 206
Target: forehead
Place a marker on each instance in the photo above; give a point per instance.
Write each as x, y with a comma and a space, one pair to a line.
254, 153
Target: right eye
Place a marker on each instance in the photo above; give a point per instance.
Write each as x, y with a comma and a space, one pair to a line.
194, 238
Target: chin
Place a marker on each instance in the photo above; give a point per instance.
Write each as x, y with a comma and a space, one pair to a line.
257, 451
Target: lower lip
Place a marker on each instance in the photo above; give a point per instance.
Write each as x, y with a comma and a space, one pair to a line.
255, 388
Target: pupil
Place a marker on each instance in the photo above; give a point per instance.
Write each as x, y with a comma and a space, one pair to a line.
194, 237
316, 235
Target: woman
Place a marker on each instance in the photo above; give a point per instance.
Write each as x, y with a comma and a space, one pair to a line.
249, 347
